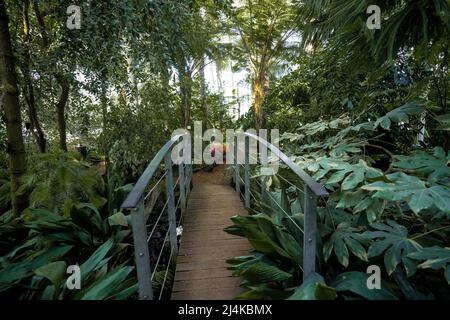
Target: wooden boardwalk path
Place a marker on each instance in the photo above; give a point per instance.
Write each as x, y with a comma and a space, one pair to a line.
201, 272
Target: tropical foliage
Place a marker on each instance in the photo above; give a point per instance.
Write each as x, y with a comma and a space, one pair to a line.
376, 137
364, 112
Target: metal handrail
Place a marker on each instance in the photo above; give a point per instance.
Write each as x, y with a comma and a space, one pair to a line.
312, 190
316, 187
138, 190
135, 202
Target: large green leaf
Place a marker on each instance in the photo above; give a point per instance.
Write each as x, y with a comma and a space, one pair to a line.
444, 121
267, 237
118, 219
261, 272
262, 291
434, 166
356, 282
43, 219
314, 288
343, 240
372, 206
392, 239
434, 258
54, 271
127, 289
19, 270
349, 199
96, 260
400, 114
106, 286
412, 190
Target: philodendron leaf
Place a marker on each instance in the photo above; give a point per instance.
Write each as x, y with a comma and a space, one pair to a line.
414, 191
351, 175
356, 282
314, 288
345, 240
434, 258
261, 272
400, 114
392, 239
372, 206
432, 166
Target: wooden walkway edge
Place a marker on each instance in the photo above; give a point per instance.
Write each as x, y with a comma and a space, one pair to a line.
201, 271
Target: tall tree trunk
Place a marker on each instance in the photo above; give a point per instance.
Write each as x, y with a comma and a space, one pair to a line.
29, 90
258, 99
60, 78
104, 102
203, 92
60, 110
259, 89
9, 100
186, 97
41, 24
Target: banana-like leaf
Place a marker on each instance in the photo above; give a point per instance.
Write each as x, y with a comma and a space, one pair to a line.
20, 270
54, 271
106, 286
356, 282
96, 260
262, 272
262, 291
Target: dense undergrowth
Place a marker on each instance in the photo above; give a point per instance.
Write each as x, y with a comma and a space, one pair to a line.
364, 111
389, 206
397, 218
73, 218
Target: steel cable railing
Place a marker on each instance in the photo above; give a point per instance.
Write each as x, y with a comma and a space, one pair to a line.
136, 202
311, 191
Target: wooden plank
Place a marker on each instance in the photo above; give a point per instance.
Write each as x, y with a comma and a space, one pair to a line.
202, 271
217, 255
199, 265
194, 284
213, 250
215, 243
202, 274
200, 294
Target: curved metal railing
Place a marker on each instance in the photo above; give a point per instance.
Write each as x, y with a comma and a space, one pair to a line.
136, 202
312, 190
144, 190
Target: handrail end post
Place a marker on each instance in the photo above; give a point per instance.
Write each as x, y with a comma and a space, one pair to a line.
141, 252
309, 232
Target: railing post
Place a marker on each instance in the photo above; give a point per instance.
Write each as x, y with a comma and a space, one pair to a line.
189, 178
141, 252
181, 173
236, 164
171, 204
309, 234
247, 172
